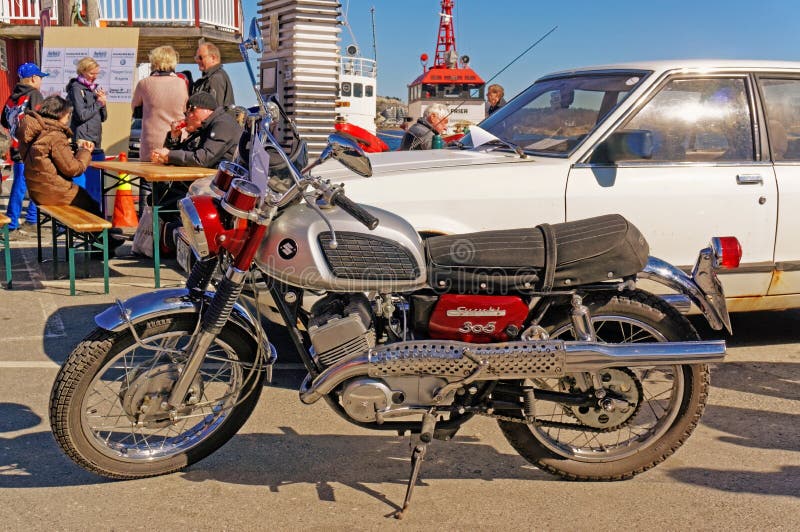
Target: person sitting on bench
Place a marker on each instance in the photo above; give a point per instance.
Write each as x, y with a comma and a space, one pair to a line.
50, 164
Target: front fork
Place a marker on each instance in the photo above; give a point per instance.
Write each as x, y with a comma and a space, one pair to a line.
211, 324
216, 315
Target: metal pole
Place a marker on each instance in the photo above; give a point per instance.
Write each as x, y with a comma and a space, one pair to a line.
374, 42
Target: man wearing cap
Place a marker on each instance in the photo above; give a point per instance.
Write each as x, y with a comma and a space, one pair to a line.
25, 96
212, 136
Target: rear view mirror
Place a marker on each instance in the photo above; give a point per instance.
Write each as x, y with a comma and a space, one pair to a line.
630, 145
345, 150
254, 41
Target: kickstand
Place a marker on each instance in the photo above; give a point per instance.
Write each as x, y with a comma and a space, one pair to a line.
417, 457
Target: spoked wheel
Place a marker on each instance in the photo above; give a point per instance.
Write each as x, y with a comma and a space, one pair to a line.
108, 408
651, 412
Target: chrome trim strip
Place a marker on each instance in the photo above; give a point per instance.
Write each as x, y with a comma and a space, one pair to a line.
788, 266
751, 267
672, 164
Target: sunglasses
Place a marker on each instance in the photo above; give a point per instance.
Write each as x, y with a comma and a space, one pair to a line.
189, 110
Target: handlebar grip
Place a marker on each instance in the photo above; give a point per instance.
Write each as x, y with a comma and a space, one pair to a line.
355, 210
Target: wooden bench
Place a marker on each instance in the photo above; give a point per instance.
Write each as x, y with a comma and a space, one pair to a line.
79, 229
4, 221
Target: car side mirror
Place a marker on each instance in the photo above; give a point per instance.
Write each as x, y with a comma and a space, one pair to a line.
630, 145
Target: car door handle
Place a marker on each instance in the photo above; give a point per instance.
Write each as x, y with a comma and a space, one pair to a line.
749, 179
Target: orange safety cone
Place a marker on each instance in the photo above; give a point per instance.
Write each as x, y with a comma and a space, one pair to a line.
124, 210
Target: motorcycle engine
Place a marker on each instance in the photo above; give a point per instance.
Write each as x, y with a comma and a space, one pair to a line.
342, 325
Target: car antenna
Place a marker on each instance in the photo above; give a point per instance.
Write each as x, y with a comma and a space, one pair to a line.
528, 49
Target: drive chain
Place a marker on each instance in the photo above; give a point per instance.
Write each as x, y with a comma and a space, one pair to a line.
549, 424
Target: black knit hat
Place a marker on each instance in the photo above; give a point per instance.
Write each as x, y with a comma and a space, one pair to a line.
202, 100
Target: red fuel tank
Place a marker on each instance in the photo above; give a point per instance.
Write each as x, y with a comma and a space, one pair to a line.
478, 319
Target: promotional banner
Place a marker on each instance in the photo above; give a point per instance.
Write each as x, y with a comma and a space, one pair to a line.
114, 49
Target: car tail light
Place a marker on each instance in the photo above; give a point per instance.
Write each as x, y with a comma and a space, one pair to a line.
728, 251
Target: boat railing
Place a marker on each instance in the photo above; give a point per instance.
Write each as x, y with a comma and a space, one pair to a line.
221, 14
358, 66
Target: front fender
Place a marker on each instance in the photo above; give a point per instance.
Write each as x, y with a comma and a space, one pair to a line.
164, 302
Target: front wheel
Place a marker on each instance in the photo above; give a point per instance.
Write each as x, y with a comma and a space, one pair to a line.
108, 404
658, 407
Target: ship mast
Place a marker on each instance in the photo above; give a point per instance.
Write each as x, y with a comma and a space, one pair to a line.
446, 55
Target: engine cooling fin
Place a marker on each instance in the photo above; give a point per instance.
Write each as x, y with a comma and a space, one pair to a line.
455, 359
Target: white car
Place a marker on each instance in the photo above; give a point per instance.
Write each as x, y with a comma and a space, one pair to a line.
686, 150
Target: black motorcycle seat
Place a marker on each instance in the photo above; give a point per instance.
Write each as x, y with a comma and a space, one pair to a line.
585, 251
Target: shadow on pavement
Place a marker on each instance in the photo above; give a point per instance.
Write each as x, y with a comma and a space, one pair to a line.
757, 429
15, 416
33, 460
755, 328
784, 482
771, 379
67, 328
354, 461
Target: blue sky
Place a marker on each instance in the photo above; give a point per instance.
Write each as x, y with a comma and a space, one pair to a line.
494, 32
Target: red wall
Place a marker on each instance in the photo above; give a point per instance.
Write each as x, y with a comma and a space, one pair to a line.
19, 51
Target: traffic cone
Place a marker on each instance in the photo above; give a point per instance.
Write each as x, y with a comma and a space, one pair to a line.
124, 210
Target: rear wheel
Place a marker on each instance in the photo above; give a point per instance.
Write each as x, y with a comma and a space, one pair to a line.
107, 406
656, 408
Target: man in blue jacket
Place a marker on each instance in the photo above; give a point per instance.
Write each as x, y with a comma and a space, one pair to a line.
24, 97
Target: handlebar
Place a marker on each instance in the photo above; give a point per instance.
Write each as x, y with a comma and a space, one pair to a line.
354, 209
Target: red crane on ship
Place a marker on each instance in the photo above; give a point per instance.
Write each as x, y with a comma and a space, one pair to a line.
449, 80
446, 55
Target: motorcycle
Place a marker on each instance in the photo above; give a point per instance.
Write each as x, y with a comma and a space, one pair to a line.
544, 329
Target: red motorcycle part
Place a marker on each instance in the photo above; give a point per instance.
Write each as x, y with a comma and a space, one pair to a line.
477, 319
225, 175
208, 211
217, 236
241, 198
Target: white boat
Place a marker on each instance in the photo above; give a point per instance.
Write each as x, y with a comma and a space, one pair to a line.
356, 101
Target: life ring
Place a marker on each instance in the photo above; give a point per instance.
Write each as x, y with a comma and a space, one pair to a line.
369, 142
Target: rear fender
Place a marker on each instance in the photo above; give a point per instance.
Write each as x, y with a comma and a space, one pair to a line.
702, 287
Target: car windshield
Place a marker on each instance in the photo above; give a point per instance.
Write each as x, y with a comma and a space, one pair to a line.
553, 116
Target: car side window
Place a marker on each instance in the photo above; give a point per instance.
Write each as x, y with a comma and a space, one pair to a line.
698, 120
782, 106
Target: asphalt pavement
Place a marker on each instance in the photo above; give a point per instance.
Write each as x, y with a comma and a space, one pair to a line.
302, 467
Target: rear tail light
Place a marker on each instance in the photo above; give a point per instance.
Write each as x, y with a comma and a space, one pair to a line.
728, 251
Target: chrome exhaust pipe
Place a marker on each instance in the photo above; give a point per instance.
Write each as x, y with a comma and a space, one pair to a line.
461, 361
